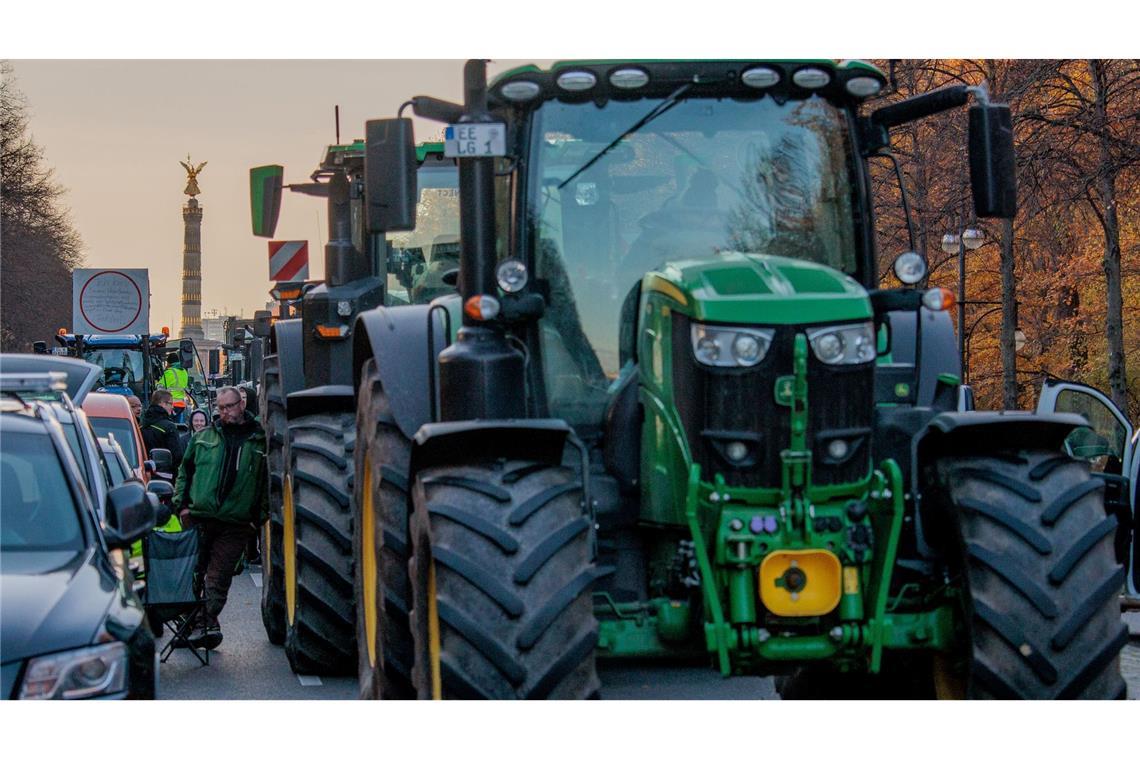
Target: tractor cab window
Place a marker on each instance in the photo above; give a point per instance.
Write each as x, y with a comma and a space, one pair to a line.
122, 367
705, 176
418, 260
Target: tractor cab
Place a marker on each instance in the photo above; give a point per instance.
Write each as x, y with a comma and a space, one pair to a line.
131, 364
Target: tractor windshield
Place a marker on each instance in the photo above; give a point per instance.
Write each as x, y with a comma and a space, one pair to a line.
122, 367
419, 259
704, 176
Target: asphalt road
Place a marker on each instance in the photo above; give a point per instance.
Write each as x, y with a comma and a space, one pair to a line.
247, 666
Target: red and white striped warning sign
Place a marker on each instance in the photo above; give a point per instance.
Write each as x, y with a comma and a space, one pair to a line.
288, 260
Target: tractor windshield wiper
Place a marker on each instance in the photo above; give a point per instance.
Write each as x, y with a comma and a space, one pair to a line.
657, 110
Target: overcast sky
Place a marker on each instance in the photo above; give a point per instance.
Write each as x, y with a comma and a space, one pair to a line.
114, 131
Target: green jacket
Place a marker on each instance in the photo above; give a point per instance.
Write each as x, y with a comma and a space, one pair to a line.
200, 477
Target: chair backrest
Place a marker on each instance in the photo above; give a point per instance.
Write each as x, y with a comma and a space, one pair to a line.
170, 561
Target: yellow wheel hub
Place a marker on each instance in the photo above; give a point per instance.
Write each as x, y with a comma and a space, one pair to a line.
433, 635
289, 547
368, 561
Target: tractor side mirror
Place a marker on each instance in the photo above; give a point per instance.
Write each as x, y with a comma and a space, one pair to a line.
993, 176
263, 323
215, 361
186, 353
390, 188
265, 198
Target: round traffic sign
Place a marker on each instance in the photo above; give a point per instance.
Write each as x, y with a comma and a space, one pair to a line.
110, 301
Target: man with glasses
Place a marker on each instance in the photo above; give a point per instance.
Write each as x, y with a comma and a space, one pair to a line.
221, 491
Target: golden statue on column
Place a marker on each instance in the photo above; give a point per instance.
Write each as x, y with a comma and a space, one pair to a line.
192, 176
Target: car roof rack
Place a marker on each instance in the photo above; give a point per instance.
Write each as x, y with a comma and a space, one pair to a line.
33, 382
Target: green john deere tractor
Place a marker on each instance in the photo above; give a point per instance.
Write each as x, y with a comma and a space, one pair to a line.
675, 414
306, 399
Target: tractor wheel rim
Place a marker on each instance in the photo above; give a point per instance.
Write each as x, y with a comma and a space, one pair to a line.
368, 562
266, 551
289, 545
433, 634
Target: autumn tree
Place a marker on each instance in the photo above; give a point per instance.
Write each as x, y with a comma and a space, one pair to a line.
39, 247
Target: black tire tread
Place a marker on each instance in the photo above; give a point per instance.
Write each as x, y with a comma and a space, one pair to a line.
322, 639
514, 623
271, 409
381, 443
1040, 576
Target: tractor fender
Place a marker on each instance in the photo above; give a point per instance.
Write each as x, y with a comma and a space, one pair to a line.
973, 434
397, 337
285, 341
320, 400
541, 440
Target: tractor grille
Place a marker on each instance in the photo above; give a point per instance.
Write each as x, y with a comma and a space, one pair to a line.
714, 403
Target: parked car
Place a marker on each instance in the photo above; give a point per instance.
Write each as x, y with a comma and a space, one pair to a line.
71, 625
110, 414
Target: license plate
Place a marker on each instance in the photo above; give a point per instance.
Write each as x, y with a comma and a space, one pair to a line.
475, 140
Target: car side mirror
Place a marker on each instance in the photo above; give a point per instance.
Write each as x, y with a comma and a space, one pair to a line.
129, 515
164, 495
993, 176
163, 460
390, 187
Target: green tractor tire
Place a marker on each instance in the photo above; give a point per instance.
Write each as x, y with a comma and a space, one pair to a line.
320, 637
271, 404
380, 546
1042, 579
501, 574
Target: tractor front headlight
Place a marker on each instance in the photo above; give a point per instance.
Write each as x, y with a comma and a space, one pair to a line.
730, 346
843, 344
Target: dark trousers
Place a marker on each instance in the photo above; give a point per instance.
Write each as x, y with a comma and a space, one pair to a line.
220, 547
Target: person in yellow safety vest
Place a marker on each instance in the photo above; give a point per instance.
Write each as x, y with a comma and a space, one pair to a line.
177, 381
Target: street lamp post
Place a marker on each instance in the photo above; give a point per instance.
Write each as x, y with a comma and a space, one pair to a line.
1018, 339
968, 239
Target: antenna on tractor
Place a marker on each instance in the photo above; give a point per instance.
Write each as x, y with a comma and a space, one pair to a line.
336, 112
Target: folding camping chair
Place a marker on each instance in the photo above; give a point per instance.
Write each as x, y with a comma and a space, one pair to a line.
170, 599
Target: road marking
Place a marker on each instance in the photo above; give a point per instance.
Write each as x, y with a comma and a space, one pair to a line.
256, 578
310, 680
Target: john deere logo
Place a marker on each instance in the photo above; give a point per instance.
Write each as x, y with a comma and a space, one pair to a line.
902, 390
784, 389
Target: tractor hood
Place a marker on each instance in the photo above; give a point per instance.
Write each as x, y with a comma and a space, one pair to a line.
740, 288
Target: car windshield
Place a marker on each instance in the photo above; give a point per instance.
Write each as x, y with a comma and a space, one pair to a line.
123, 432
37, 509
421, 257
703, 176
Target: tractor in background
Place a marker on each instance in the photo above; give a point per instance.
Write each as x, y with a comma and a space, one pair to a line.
677, 414
306, 399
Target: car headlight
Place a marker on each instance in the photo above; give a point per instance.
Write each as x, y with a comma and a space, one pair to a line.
844, 344
730, 346
78, 674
